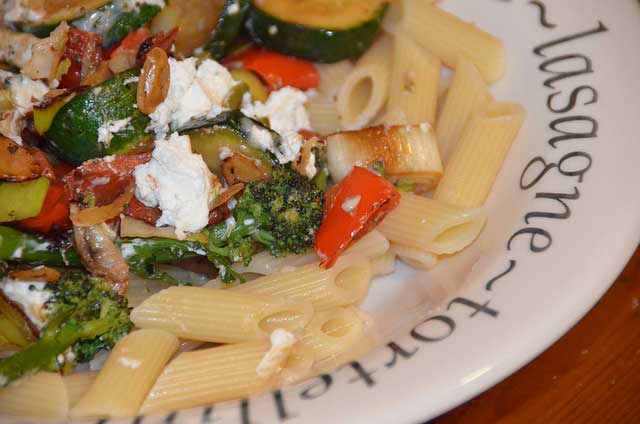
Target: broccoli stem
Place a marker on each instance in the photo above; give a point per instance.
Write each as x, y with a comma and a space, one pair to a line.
26, 248
141, 254
42, 356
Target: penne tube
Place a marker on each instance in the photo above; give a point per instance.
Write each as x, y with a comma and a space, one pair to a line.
449, 37
345, 283
323, 114
334, 337
413, 91
210, 375
417, 258
77, 384
407, 152
126, 378
332, 76
432, 226
478, 157
467, 95
40, 395
366, 88
384, 264
220, 315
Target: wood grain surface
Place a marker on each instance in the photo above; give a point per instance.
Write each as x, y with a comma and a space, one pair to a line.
591, 375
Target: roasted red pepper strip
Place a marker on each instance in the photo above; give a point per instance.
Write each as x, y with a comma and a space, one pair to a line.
352, 208
105, 178
278, 70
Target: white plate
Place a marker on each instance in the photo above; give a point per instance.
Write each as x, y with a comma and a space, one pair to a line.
456, 331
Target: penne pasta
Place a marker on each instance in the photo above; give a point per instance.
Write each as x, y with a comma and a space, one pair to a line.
211, 375
384, 264
407, 152
323, 114
467, 95
332, 76
124, 382
413, 91
77, 384
417, 258
220, 315
478, 157
366, 88
345, 283
332, 338
432, 226
40, 395
449, 37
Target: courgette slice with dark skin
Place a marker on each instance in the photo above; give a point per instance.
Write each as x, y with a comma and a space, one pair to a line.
298, 29
113, 21
116, 20
73, 134
228, 27
231, 132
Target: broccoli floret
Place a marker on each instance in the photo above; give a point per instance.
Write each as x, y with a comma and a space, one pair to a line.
281, 215
85, 315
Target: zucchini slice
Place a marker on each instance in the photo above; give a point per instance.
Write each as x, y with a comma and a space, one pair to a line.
113, 20
226, 134
228, 27
319, 30
116, 20
74, 132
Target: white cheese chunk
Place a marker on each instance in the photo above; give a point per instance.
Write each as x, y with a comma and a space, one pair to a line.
285, 109
25, 93
281, 343
31, 296
107, 130
194, 92
179, 183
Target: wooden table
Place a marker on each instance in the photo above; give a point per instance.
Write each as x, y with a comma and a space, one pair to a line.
591, 375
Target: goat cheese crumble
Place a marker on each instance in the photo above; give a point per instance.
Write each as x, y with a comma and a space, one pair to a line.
179, 183
194, 92
25, 93
285, 110
31, 296
109, 128
281, 343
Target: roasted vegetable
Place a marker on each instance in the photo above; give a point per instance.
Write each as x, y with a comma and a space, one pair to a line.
22, 200
116, 19
229, 133
281, 215
321, 31
84, 315
407, 152
142, 255
227, 28
74, 132
353, 207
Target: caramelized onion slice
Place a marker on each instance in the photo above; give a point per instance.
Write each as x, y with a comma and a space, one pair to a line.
100, 214
135, 228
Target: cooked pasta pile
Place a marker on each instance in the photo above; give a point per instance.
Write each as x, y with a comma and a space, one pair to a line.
410, 156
